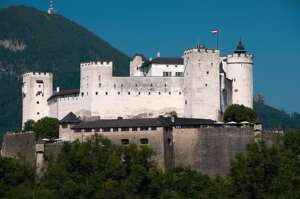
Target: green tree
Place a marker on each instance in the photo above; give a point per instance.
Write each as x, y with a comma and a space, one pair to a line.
239, 113
46, 128
29, 125
16, 179
265, 172
292, 140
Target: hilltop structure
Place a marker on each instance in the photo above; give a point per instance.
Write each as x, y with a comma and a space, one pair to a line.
201, 84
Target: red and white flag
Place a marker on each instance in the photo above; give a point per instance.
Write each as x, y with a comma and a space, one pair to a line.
215, 31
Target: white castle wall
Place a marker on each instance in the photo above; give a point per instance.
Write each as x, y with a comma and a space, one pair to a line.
240, 69
112, 97
36, 89
158, 69
61, 106
202, 83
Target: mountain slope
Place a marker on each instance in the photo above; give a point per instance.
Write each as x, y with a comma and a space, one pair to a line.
31, 40
274, 118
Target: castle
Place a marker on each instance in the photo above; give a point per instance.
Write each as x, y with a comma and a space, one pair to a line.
200, 84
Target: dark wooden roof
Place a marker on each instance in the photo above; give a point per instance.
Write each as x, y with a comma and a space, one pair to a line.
130, 123
64, 93
71, 118
165, 61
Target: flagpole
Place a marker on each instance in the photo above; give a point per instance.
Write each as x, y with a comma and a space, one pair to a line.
218, 41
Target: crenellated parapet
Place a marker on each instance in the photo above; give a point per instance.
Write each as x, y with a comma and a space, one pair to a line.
200, 50
97, 64
38, 74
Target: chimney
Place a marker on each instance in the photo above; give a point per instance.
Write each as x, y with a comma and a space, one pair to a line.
57, 89
150, 59
158, 54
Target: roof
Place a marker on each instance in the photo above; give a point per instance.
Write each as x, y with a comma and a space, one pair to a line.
71, 118
168, 60
164, 60
64, 93
240, 48
145, 122
140, 55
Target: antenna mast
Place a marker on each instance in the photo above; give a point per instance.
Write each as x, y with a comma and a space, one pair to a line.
51, 9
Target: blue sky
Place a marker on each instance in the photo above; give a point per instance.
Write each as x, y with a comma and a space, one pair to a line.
270, 30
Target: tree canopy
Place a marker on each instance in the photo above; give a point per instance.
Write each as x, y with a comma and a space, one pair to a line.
44, 128
239, 113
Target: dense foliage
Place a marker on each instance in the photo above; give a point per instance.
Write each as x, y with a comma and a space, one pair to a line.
98, 169
50, 43
239, 113
46, 127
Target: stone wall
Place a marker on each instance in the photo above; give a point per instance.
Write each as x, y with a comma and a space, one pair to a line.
210, 150
19, 146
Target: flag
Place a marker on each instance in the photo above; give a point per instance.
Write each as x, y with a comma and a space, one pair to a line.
214, 31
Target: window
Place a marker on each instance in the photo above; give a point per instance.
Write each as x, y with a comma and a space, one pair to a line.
115, 129
124, 141
169, 93
149, 93
139, 93
144, 128
159, 93
136, 85
87, 130
128, 93
167, 74
175, 66
144, 141
205, 85
185, 101
118, 93
106, 129
121, 85
64, 126
77, 130
38, 113
134, 129
106, 93
37, 102
236, 90
96, 93
124, 129
179, 93
211, 64
115, 85
82, 94
207, 72
100, 85
153, 128
179, 74
167, 65
97, 130
151, 85
169, 141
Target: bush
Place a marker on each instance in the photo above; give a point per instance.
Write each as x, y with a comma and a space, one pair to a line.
46, 128
239, 113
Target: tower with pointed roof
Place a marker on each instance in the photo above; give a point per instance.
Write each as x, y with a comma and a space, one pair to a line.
240, 71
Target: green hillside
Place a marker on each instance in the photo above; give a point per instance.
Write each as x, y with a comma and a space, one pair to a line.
31, 40
274, 118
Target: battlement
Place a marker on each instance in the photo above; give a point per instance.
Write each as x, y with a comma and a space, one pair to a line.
97, 64
37, 74
237, 55
200, 50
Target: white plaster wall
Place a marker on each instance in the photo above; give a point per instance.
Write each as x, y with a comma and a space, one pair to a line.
134, 65
240, 70
158, 69
202, 84
62, 106
36, 107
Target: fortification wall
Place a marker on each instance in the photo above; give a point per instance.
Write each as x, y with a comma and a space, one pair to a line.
19, 146
62, 106
210, 150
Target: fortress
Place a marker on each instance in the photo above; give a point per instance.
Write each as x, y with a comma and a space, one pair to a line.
200, 84
197, 88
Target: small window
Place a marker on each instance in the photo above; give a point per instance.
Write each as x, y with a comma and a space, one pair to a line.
124, 141
82, 94
207, 72
149, 93
88, 130
124, 129
96, 93
159, 93
144, 141
236, 90
115, 85
144, 128
151, 85
153, 128
128, 93
38, 113
106, 129
106, 93
211, 64
165, 85
179, 93
115, 129
38, 102
139, 93
121, 85
64, 126
175, 66
97, 130
136, 85
167, 65
205, 85
118, 93
134, 129
169, 141
185, 101
169, 93
100, 85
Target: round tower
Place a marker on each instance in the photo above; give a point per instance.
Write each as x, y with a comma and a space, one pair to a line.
36, 89
202, 83
240, 71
